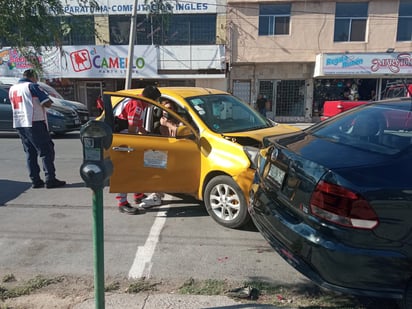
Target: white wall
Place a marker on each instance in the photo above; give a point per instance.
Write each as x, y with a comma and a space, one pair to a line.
193, 57
220, 84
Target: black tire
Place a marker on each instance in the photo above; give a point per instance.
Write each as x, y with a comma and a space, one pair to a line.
225, 202
406, 301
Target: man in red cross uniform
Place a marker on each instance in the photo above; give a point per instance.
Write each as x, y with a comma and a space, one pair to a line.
29, 103
133, 111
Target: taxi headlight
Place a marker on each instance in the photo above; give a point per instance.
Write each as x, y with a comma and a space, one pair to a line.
253, 154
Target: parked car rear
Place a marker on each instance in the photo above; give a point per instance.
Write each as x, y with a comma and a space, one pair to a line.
335, 201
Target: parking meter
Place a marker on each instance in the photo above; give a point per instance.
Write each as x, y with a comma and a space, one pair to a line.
96, 137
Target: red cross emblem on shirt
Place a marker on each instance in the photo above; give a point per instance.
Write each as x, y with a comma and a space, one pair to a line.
16, 100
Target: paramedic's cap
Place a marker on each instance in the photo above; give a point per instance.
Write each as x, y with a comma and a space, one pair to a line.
30, 73
151, 92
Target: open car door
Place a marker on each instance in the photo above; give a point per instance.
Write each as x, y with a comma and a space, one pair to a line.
154, 163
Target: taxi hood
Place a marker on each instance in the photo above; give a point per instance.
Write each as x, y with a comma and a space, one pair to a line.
255, 138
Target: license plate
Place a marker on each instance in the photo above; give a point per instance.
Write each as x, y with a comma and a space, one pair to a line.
276, 174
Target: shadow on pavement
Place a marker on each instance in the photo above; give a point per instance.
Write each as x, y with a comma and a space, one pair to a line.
9, 134
68, 135
198, 209
9, 190
182, 211
75, 185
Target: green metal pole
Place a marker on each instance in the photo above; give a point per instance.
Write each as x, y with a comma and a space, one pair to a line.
98, 248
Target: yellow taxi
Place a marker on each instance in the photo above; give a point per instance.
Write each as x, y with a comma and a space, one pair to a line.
210, 158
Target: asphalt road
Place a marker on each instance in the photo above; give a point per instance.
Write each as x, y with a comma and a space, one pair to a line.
49, 231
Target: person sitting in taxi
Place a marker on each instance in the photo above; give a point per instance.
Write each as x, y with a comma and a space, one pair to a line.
168, 124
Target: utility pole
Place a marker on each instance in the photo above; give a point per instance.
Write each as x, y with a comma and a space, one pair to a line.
132, 39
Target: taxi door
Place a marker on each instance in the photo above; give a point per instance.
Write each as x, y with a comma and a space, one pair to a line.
145, 163
153, 162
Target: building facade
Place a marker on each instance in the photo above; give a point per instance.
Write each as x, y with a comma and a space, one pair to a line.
300, 53
296, 53
183, 48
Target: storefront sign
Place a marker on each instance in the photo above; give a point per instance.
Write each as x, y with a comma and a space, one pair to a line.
121, 7
366, 64
85, 62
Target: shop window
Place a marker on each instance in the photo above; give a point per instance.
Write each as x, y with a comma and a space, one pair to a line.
175, 29
396, 88
81, 30
290, 98
119, 29
350, 21
342, 89
405, 21
274, 19
267, 90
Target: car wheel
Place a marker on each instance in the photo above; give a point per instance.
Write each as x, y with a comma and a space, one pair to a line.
225, 202
406, 301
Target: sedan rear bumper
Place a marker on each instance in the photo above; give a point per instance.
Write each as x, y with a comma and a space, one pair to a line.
324, 260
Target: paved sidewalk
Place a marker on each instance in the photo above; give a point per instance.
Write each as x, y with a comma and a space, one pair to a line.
170, 301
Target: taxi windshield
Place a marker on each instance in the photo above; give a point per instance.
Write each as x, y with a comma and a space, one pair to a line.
226, 114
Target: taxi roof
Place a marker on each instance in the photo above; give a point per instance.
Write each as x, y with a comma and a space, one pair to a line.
183, 92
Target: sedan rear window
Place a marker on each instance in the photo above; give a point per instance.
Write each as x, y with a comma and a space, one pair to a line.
384, 128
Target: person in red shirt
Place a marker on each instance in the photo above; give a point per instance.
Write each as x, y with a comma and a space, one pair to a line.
133, 112
99, 104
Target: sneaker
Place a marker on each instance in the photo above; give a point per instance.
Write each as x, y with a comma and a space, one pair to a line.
154, 199
138, 198
127, 209
55, 183
37, 184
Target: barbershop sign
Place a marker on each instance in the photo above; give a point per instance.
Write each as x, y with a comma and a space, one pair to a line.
369, 64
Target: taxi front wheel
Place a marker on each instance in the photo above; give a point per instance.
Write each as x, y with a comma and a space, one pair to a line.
225, 202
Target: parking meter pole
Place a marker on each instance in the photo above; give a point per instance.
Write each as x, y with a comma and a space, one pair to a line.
98, 247
96, 170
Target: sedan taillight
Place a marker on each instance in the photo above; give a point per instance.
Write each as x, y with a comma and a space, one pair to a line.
342, 206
